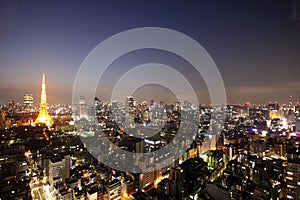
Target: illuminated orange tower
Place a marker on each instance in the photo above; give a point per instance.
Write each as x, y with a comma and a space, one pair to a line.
43, 116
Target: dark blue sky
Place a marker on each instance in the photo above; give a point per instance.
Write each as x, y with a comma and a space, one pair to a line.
255, 44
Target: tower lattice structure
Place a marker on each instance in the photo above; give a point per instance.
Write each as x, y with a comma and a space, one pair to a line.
43, 117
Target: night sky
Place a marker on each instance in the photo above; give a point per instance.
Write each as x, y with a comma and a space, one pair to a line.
255, 44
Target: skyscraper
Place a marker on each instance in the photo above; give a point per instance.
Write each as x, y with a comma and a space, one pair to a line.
11, 104
43, 117
28, 101
293, 174
83, 112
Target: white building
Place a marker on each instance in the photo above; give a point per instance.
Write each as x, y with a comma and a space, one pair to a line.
59, 169
113, 189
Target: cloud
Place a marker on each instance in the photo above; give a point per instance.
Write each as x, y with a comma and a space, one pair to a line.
264, 89
294, 84
258, 89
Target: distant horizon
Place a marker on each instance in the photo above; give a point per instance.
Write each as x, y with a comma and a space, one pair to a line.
140, 100
140, 92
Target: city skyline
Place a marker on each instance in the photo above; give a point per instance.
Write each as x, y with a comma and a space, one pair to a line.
255, 45
137, 99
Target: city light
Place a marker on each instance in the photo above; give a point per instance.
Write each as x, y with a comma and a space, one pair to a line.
150, 100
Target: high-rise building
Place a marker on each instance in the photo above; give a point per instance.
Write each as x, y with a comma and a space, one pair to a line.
146, 178
11, 104
43, 117
98, 105
83, 113
293, 174
28, 101
129, 105
273, 106
129, 111
114, 189
59, 169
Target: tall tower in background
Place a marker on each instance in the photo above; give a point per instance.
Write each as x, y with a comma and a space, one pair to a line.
43, 116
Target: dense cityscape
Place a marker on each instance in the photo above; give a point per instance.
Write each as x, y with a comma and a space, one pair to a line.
44, 154
149, 100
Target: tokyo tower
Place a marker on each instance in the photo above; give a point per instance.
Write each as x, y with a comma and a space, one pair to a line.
43, 117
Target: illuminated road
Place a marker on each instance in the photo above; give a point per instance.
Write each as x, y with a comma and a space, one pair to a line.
40, 191
37, 192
